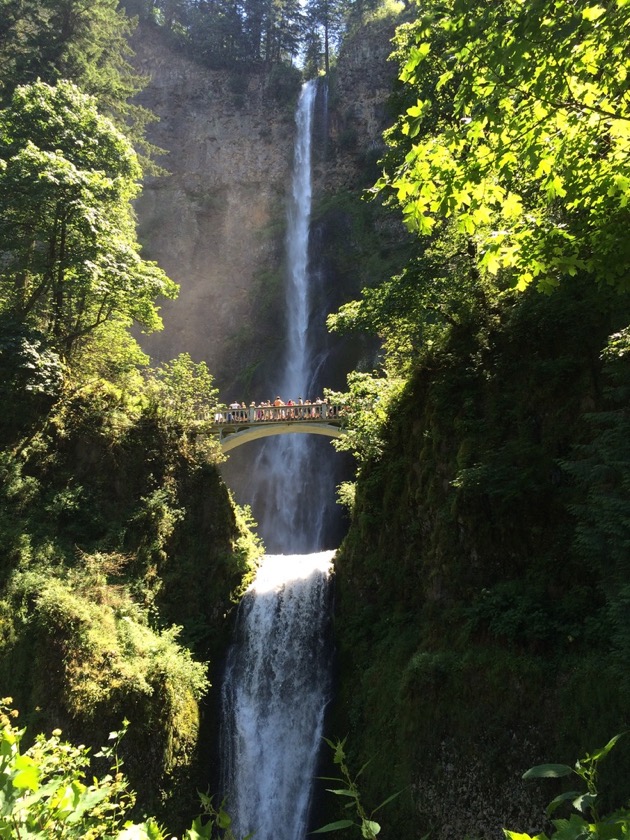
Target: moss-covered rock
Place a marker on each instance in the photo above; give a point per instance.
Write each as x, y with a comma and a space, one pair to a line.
123, 555
475, 637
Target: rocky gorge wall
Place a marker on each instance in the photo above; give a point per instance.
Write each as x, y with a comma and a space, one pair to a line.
215, 221
473, 630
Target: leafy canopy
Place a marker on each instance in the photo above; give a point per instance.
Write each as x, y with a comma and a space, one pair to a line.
520, 131
183, 390
71, 260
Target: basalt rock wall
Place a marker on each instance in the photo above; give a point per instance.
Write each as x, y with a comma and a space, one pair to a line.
215, 221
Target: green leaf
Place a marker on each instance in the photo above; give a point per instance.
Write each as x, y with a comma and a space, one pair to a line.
27, 776
87, 801
548, 771
597, 756
465, 223
205, 800
343, 792
336, 826
223, 819
593, 12
584, 802
369, 829
575, 828
388, 800
512, 206
558, 800
339, 752
199, 831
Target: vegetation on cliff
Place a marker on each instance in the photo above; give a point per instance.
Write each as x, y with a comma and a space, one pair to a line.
122, 551
256, 35
481, 612
482, 590
47, 791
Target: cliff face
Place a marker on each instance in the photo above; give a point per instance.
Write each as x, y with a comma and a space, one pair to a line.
467, 594
358, 108
216, 221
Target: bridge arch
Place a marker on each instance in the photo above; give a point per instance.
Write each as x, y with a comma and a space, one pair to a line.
237, 426
231, 438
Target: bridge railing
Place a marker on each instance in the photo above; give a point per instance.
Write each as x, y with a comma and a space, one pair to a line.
277, 413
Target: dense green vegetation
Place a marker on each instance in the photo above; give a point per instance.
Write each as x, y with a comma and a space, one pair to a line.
84, 41
122, 551
482, 594
256, 35
481, 613
47, 791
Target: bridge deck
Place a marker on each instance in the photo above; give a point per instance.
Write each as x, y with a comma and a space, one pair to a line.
315, 413
239, 425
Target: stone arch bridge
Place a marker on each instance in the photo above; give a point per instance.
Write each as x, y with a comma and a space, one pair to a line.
236, 426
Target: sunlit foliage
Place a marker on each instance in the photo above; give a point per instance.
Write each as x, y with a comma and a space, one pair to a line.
70, 260
520, 131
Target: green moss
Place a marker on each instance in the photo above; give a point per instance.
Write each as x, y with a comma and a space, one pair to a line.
122, 556
475, 637
360, 245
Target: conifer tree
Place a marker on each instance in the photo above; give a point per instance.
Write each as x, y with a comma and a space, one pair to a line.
84, 41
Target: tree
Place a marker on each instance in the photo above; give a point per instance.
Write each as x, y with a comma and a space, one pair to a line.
531, 155
247, 33
216, 33
439, 288
282, 31
325, 18
70, 257
84, 41
183, 390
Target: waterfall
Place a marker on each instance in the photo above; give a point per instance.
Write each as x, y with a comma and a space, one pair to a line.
295, 378
274, 697
291, 479
276, 684
287, 489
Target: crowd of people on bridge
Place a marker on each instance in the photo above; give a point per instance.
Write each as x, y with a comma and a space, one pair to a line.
277, 409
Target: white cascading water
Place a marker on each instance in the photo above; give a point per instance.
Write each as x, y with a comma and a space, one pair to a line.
289, 486
295, 378
274, 697
277, 678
